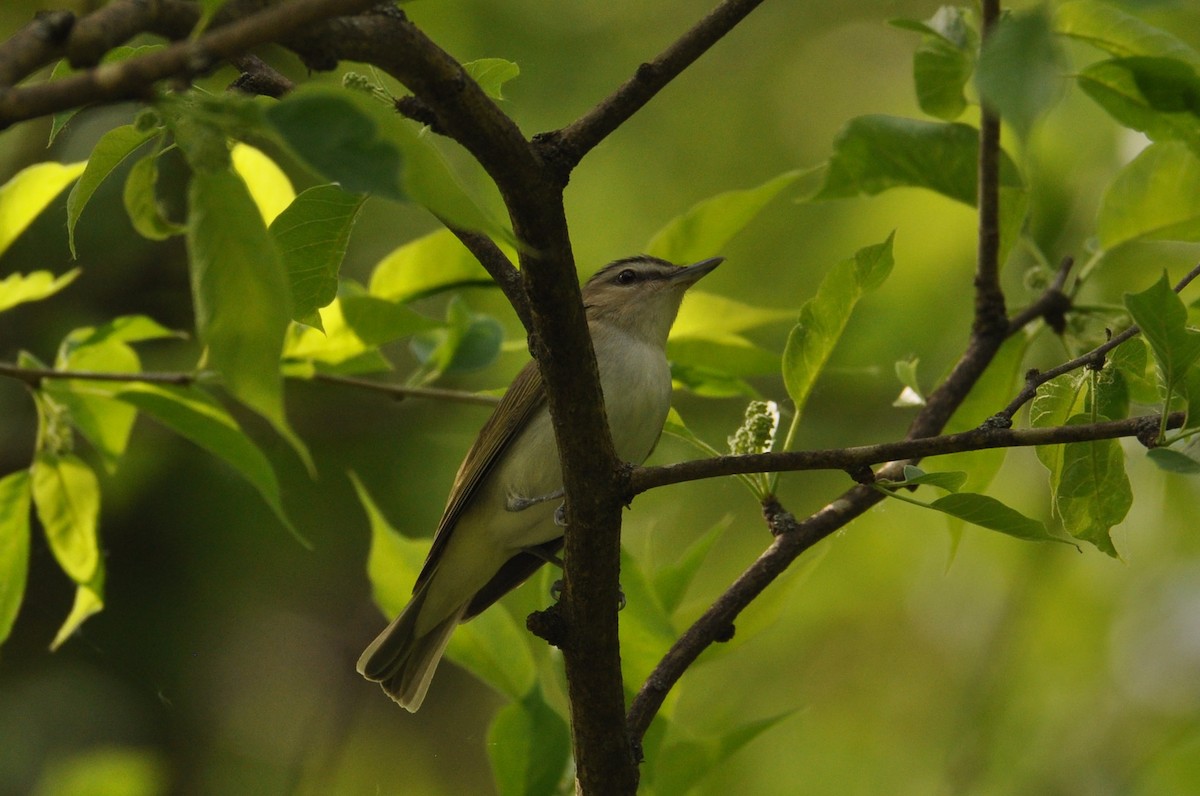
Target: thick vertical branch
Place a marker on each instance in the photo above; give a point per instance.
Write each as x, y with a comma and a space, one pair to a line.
990, 313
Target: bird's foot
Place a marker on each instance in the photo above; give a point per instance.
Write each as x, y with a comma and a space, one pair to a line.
520, 502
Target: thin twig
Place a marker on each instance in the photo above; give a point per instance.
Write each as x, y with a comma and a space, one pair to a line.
989, 297
1093, 358
400, 391
645, 478
35, 376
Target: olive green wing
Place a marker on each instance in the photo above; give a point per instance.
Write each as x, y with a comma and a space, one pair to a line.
524, 397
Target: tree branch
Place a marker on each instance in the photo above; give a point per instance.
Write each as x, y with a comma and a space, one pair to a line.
1093, 358
989, 298
134, 77
565, 147
854, 458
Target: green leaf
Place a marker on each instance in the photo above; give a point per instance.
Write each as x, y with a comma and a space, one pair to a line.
240, 293
646, 627
494, 648
1055, 402
1155, 197
671, 582
490, 645
987, 512
26, 195
1021, 68
1160, 313
708, 316
394, 560
354, 325
269, 187
105, 422
194, 415
906, 372
1157, 96
312, 235
14, 546
340, 136
709, 382
431, 264
491, 74
19, 288
1107, 27
1093, 491
944, 61
995, 388
529, 747
1173, 461
140, 197
824, 317
915, 476
67, 496
468, 342
707, 227
735, 356
89, 601
110, 151
874, 153
1133, 361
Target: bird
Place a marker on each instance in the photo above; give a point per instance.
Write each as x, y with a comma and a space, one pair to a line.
503, 517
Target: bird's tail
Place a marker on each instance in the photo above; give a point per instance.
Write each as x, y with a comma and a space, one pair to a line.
403, 662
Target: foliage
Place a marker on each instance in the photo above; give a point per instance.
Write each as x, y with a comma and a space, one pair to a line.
272, 304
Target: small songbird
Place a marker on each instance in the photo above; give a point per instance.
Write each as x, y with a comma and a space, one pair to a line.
500, 524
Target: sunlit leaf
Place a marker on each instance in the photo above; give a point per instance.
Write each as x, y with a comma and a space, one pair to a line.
14, 546
469, 341
67, 497
105, 770
950, 481
110, 151
529, 746
709, 382
1155, 197
1055, 402
140, 197
89, 601
312, 235
354, 325
431, 264
269, 187
26, 195
240, 293
491, 74
824, 317
194, 415
713, 317
19, 288
705, 229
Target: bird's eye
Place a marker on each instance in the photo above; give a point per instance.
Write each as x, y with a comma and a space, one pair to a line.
627, 277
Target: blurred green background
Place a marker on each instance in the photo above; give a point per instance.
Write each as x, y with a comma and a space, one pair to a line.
224, 660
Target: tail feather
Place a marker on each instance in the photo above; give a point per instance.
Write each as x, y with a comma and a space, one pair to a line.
403, 662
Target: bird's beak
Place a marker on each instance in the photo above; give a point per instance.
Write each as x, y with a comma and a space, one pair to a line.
691, 274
